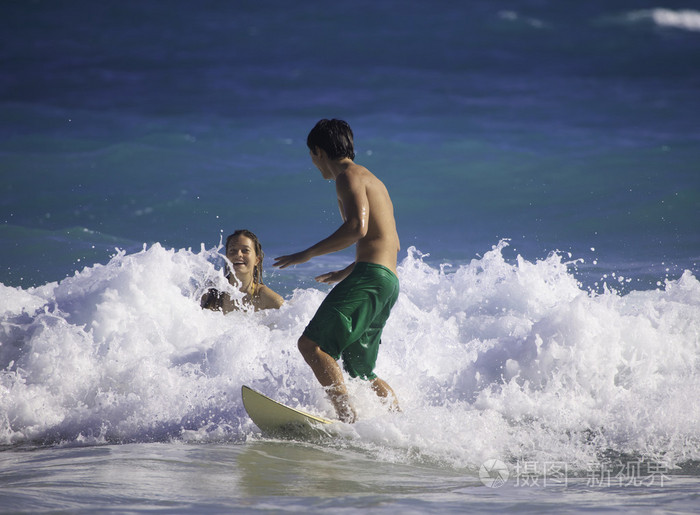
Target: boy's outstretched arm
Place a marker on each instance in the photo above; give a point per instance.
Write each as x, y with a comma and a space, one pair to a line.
337, 276
353, 198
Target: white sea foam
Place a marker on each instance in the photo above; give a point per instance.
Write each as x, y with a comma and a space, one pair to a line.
513, 16
685, 19
490, 360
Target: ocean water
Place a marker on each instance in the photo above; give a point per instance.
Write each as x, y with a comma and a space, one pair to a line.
543, 160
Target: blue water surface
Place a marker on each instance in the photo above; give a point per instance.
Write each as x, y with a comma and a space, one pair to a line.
566, 128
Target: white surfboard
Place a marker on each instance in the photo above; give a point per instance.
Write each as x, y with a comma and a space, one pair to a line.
275, 418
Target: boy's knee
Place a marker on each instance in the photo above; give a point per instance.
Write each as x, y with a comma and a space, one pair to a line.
306, 346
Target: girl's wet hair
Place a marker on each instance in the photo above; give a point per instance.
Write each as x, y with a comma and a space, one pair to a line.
257, 271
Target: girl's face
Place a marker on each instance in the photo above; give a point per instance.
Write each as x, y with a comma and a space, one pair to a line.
241, 253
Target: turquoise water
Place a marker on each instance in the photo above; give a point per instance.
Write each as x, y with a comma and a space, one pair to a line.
543, 162
560, 128
290, 477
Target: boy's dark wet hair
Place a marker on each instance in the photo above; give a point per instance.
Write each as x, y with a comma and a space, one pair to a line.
334, 137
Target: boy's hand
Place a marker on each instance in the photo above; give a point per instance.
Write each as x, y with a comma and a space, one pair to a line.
291, 259
331, 277
337, 276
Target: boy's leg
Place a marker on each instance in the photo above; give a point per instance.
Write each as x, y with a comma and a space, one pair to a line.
329, 374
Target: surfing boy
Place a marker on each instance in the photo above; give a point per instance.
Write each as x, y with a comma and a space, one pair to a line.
350, 320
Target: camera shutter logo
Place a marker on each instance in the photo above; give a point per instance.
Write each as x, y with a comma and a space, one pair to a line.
493, 473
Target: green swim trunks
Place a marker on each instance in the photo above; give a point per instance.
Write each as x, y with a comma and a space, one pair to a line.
350, 320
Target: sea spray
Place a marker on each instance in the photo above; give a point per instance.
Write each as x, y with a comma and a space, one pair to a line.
492, 359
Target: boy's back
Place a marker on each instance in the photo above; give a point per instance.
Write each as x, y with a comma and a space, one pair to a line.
380, 244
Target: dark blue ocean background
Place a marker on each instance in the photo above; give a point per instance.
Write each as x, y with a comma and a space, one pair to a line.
562, 126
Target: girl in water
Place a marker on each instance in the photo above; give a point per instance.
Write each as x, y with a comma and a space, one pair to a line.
245, 253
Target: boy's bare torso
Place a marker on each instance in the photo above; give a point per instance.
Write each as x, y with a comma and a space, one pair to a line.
380, 244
